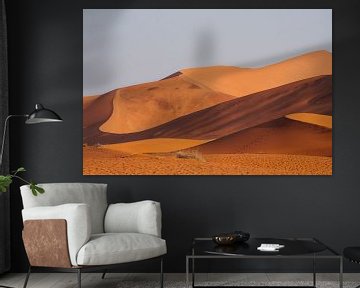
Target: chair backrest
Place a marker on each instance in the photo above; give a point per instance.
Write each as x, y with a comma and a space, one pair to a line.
62, 193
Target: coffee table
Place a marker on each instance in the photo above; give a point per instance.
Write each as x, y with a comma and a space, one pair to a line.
295, 248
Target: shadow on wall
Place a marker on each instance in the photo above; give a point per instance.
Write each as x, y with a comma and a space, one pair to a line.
205, 52
101, 31
205, 48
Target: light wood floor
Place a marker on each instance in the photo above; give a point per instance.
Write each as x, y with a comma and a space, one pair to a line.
113, 280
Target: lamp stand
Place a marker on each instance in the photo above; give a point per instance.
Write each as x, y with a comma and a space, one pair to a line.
39, 115
4, 135
2, 152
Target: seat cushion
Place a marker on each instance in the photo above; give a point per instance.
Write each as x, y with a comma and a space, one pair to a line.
137, 217
113, 248
352, 253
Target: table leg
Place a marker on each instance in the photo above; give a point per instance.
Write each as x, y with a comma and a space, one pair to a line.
314, 271
193, 272
341, 273
193, 267
187, 272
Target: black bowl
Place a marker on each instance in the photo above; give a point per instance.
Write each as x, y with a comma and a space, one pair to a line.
231, 238
224, 239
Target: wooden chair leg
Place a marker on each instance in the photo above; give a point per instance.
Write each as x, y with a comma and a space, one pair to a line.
27, 277
79, 277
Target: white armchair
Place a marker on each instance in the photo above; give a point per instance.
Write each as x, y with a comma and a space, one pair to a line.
72, 228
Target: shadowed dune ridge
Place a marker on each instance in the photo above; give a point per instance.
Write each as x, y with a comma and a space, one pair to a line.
87, 100
95, 112
140, 107
310, 95
280, 136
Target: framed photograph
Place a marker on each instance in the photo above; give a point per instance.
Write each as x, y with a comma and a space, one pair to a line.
207, 92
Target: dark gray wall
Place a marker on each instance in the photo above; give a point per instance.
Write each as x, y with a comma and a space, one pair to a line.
45, 50
4, 197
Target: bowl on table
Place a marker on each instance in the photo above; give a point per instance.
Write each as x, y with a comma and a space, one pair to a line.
231, 238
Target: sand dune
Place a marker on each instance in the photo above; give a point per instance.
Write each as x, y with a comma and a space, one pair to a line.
96, 112
97, 109
280, 136
148, 105
312, 118
245, 81
144, 106
87, 100
310, 95
159, 145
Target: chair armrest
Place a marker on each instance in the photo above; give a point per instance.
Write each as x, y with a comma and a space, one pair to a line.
138, 217
78, 223
52, 250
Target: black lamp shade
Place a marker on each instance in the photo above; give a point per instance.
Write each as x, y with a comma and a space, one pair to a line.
42, 115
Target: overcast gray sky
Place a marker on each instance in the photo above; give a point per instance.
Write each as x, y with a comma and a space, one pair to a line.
126, 47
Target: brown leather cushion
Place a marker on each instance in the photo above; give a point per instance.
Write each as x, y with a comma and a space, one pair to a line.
46, 243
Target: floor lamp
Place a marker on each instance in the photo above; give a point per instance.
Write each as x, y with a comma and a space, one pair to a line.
39, 115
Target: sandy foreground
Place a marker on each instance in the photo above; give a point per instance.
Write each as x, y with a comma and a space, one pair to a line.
101, 161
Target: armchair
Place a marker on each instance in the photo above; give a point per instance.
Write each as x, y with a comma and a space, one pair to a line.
71, 228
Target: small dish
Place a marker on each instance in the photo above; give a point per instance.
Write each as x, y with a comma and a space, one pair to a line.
225, 239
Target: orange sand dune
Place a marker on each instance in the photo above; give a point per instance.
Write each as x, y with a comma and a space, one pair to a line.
311, 95
159, 145
144, 106
280, 136
140, 107
96, 112
87, 100
97, 109
240, 82
312, 118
